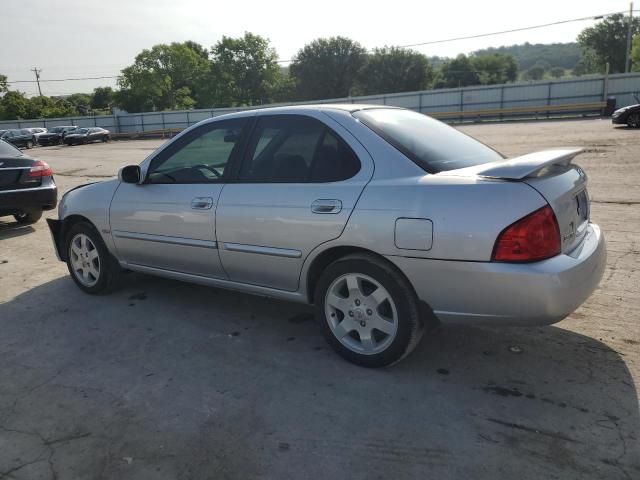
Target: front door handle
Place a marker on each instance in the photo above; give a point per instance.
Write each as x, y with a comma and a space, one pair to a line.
202, 203
326, 206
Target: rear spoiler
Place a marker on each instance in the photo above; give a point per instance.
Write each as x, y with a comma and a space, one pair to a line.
521, 167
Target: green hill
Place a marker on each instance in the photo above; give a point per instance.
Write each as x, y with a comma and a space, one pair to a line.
564, 55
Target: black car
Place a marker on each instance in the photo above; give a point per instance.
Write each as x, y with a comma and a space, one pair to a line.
629, 115
26, 185
87, 135
19, 138
55, 135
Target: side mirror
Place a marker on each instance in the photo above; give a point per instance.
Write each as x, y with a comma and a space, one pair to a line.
130, 174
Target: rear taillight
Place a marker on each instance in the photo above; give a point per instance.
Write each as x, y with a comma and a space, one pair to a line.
40, 169
534, 237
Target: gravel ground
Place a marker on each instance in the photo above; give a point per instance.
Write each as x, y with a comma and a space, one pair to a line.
165, 380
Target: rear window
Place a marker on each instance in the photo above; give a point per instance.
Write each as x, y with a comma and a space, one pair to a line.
8, 150
433, 145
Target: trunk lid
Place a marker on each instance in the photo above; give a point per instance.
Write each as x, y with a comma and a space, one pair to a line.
552, 174
14, 173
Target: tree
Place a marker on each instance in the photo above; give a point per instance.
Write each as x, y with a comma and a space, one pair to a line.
198, 49
47, 107
635, 54
243, 71
564, 55
495, 68
4, 86
587, 63
607, 42
393, 69
81, 102
285, 89
13, 106
327, 68
161, 78
458, 72
557, 72
102, 98
534, 73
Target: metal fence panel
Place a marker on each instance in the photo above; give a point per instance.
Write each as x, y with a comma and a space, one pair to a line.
581, 90
447, 98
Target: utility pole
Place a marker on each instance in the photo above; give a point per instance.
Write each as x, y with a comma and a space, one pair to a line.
627, 63
37, 72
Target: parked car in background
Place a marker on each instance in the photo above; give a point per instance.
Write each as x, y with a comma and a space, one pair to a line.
19, 138
37, 131
86, 135
26, 185
629, 115
55, 135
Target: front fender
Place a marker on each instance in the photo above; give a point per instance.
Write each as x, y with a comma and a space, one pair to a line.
91, 202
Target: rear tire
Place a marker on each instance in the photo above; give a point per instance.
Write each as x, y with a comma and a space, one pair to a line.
633, 120
368, 311
29, 145
91, 265
28, 218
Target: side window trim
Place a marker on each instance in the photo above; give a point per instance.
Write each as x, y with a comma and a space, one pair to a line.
192, 135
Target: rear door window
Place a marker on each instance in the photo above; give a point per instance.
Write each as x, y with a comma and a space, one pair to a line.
296, 149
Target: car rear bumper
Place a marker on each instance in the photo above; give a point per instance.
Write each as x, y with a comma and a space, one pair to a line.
539, 293
49, 141
44, 197
619, 120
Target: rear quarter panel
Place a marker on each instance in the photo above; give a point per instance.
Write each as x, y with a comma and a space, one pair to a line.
467, 215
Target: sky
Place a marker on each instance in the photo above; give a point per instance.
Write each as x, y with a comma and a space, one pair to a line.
83, 38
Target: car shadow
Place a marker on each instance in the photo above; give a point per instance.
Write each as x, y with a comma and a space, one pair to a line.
625, 127
163, 379
14, 229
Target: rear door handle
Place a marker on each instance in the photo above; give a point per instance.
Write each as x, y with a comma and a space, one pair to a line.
326, 206
202, 203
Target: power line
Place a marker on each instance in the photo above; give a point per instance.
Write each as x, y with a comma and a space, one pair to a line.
431, 42
521, 29
65, 79
480, 35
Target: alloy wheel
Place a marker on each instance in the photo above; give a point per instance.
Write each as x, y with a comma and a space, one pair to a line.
85, 260
361, 313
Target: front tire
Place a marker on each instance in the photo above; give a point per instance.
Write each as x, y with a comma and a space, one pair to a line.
27, 218
90, 264
633, 120
368, 311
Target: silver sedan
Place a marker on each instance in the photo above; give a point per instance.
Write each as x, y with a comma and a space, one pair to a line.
384, 219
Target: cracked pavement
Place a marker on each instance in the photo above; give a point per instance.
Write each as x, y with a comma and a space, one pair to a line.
166, 380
